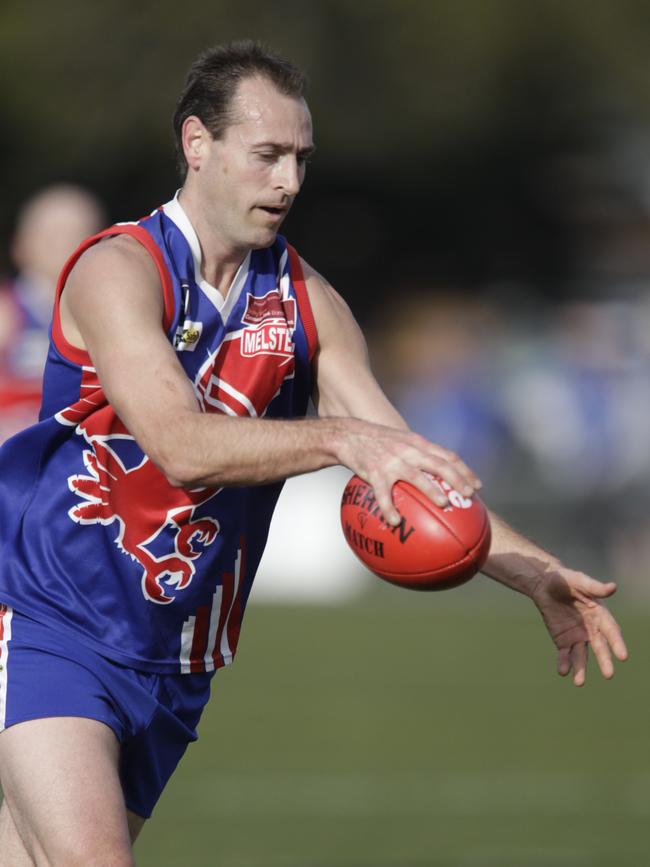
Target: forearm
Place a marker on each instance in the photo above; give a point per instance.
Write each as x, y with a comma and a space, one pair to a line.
216, 450
516, 561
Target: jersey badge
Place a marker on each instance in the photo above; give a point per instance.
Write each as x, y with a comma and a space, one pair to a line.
187, 336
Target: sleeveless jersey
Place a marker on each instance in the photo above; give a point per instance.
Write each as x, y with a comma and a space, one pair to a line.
95, 541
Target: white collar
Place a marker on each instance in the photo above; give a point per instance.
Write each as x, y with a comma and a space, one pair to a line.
174, 210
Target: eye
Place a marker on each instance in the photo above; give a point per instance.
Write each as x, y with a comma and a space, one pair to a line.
267, 156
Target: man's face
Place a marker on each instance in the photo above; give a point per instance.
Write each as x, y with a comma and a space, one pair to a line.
253, 173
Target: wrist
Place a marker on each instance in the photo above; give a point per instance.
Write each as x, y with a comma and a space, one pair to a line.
338, 434
526, 575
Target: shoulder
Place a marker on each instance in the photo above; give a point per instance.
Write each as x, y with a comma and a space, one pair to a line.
113, 284
335, 321
117, 268
323, 296
113, 258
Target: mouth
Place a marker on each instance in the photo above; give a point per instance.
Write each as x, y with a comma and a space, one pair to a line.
275, 212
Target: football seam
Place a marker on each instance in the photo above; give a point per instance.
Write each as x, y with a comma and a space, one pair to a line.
468, 556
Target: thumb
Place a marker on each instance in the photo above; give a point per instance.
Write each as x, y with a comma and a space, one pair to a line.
591, 587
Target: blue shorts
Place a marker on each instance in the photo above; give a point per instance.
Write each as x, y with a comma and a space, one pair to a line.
154, 716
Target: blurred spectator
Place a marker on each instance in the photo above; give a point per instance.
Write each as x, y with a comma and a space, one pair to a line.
550, 404
439, 357
49, 227
579, 402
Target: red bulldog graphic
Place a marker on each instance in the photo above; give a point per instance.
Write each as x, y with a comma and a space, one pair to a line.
144, 505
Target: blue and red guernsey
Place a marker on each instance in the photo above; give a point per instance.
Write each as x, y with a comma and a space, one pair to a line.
95, 541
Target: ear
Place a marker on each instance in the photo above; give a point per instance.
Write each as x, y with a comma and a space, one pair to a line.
196, 141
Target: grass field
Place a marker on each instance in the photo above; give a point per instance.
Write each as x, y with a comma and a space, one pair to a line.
412, 730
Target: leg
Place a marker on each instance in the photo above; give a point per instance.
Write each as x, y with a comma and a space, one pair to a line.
12, 848
61, 784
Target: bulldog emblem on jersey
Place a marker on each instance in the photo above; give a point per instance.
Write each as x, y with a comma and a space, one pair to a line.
156, 523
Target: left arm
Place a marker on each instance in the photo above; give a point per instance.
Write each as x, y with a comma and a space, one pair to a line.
569, 601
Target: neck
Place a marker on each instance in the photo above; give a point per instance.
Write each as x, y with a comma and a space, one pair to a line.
220, 260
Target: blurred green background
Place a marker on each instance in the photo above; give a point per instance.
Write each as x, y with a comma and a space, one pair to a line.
481, 197
408, 731
446, 130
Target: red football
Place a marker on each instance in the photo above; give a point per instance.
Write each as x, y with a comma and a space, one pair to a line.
432, 548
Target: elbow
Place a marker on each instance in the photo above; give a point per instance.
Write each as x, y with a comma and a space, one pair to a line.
182, 475
179, 471
176, 481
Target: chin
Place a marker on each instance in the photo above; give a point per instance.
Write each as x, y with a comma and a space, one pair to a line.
263, 239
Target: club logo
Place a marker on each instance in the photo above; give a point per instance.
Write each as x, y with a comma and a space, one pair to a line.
270, 308
119, 486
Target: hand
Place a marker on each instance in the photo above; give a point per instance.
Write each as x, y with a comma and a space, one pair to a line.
570, 605
382, 456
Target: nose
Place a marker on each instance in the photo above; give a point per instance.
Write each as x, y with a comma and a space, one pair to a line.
289, 175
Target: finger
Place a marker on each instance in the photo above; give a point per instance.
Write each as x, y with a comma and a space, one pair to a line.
384, 497
429, 486
466, 473
563, 662
603, 656
448, 473
579, 663
612, 632
589, 586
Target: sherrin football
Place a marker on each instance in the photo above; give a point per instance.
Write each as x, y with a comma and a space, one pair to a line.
432, 548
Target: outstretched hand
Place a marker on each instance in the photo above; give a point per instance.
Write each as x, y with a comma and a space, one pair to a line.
570, 604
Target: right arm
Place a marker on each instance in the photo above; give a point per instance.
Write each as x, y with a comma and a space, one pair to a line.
112, 307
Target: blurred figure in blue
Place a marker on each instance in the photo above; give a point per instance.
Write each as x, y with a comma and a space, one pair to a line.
49, 227
579, 401
442, 358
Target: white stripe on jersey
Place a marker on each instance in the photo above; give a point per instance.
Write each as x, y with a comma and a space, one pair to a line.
5, 619
282, 265
215, 614
224, 649
187, 639
227, 410
208, 364
238, 395
284, 281
215, 641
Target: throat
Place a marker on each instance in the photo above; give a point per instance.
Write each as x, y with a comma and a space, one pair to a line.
222, 278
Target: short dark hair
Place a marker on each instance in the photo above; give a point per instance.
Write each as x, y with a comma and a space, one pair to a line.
214, 77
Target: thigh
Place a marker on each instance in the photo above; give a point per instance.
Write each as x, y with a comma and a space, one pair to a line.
12, 848
61, 783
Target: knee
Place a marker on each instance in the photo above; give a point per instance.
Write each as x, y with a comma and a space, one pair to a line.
88, 855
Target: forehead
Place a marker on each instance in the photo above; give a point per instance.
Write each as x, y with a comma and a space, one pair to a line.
261, 112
